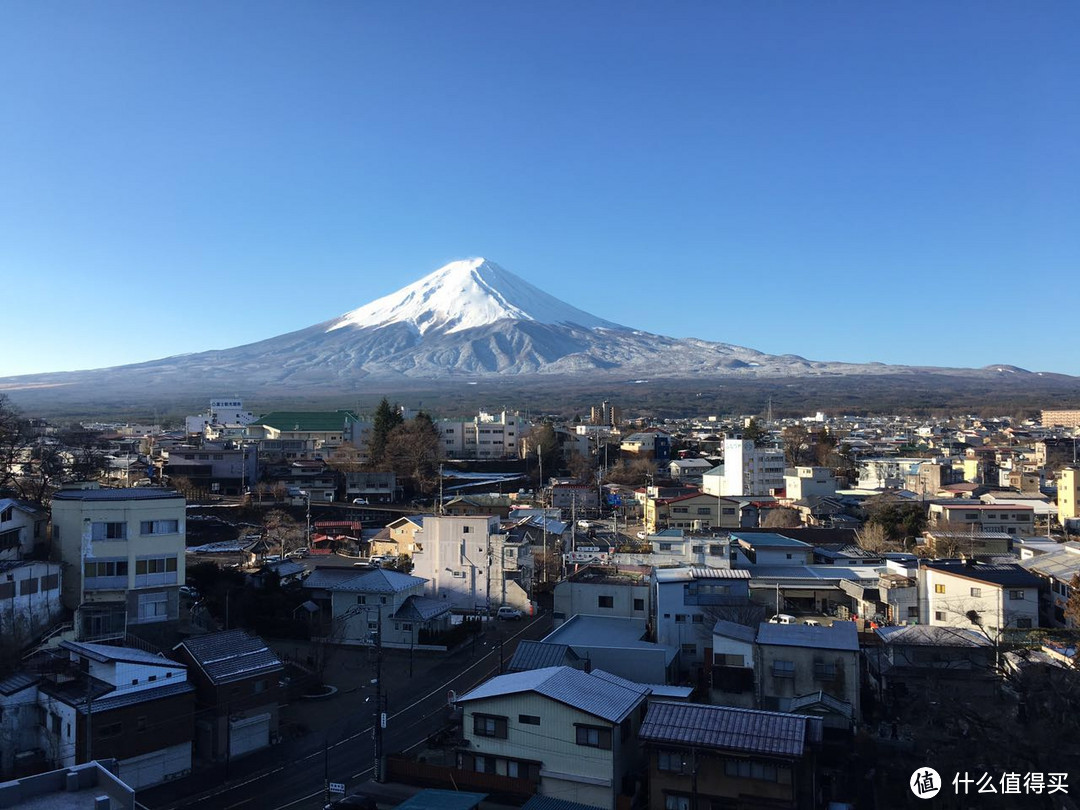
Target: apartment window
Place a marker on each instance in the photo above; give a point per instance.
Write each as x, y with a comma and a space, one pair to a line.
680, 618
747, 769
159, 527
110, 730
28, 586
824, 670
912, 612
486, 725
697, 618
697, 549
670, 761
971, 515
689, 649
361, 600
939, 589
939, 615
466, 529
108, 531
1023, 624
459, 574
1015, 595
704, 510
105, 568
665, 546
639, 604
155, 565
976, 592
783, 669
605, 601
728, 510
676, 801
594, 737
153, 607
529, 719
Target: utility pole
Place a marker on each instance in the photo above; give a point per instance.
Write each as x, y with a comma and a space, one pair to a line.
380, 713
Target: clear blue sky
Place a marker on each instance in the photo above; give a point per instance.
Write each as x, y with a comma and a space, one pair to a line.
857, 181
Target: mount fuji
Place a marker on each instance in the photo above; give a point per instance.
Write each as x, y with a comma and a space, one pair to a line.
469, 320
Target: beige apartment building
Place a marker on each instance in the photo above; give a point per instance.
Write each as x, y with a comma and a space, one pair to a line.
124, 549
1069, 419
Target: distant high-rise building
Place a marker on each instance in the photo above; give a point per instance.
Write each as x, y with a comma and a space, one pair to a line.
605, 414
1069, 419
750, 470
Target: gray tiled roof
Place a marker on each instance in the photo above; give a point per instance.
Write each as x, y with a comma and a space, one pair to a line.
231, 655
539, 654
421, 608
840, 636
729, 728
821, 698
327, 577
598, 696
926, 635
379, 580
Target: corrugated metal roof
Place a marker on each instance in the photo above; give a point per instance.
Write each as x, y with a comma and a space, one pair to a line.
129, 494
739, 632
689, 573
727, 728
231, 655
769, 540
1010, 575
539, 655
839, 636
105, 652
551, 803
599, 696
17, 682
110, 703
432, 799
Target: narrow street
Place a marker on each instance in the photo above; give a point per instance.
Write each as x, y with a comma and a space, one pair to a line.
292, 774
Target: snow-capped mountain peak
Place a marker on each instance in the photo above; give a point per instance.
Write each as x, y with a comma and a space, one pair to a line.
463, 295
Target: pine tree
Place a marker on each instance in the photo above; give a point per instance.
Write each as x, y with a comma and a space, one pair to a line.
387, 417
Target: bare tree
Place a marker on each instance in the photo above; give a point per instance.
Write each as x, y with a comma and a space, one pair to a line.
279, 529
782, 517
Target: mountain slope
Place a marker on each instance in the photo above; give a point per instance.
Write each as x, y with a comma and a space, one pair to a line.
468, 320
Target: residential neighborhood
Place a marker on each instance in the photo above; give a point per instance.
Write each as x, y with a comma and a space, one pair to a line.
609, 614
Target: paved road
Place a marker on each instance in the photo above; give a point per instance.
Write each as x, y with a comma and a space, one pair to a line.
291, 775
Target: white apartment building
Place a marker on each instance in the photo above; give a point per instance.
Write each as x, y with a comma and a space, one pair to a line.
802, 482
125, 552
485, 436
750, 470
973, 595
469, 561
222, 413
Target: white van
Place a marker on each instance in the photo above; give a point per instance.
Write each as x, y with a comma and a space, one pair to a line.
783, 618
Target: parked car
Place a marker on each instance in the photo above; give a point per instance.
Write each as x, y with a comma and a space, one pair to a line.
509, 614
189, 591
783, 618
642, 535
360, 501
299, 553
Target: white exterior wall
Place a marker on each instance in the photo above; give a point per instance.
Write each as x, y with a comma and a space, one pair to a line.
573, 598
18, 727
485, 436
994, 604
750, 470
454, 559
59, 748
722, 645
156, 766
569, 771
25, 616
365, 620
809, 481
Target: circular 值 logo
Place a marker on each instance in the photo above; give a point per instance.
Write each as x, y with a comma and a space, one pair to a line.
925, 783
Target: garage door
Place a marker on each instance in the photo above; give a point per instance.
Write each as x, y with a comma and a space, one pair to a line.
157, 766
249, 734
